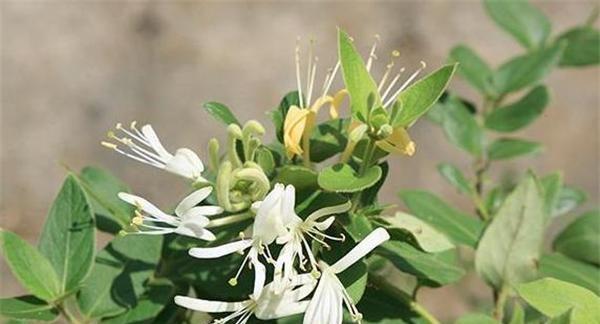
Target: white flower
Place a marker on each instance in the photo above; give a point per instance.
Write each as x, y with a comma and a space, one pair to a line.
296, 243
189, 219
266, 306
272, 216
326, 304
144, 146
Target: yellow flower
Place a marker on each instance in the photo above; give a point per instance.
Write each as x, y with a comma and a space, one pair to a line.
293, 130
300, 120
398, 142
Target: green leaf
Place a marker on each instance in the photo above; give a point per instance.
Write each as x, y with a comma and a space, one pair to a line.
221, 113
509, 249
149, 305
68, 237
508, 148
568, 199
301, 177
27, 307
476, 318
265, 159
581, 239
102, 189
527, 24
527, 69
455, 177
553, 298
328, 139
583, 46
433, 269
342, 178
552, 185
518, 314
425, 236
563, 268
358, 226
358, 81
30, 267
564, 318
472, 67
461, 128
421, 95
381, 307
519, 114
119, 275
460, 228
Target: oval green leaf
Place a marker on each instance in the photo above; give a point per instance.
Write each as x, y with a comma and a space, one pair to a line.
343, 178
30, 267
581, 239
519, 114
69, 234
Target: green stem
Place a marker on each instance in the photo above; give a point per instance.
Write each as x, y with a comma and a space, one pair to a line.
229, 219
500, 301
366, 163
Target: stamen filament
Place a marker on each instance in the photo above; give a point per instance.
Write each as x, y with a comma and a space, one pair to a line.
405, 84
372, 55
298, 81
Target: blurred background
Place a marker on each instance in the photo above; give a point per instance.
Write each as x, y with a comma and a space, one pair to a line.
71, 70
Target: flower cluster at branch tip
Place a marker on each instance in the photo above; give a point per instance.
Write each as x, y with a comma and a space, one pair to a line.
236, 187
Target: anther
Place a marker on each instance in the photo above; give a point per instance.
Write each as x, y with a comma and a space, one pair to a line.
109, 145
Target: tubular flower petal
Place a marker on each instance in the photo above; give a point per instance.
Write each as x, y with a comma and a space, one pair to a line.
145, 146
293, 130
326, 305
266, 305
188, 219
398, 142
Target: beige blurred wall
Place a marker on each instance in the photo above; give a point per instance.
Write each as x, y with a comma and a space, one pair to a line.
71, 70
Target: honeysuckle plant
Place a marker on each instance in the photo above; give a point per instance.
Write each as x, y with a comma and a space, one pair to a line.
293, 231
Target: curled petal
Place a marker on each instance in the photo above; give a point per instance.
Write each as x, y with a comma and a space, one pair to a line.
368, 244
219, 251
337, 209
186, 164
155, 143
209, 306
146, 206
192, 200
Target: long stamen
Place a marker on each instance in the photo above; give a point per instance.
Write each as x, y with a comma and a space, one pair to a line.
405, 84
298, 80
233, 281
330, 79
312, 82
372, 55
129, 155
391, 85
322, 241
356, 315
341, 238
231, 316
137, 136
309, 69
388, 69
311, 257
